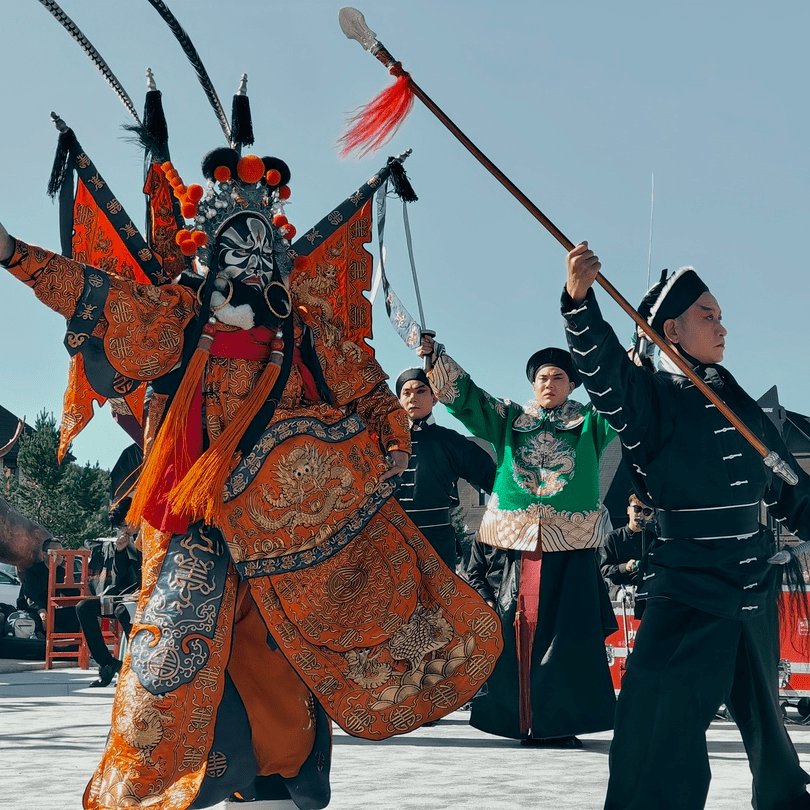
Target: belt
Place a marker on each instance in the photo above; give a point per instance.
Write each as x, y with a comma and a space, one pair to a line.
710, 523
427, 518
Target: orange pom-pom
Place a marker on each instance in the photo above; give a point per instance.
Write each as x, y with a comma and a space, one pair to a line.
284, 193
182, 235
189, 210
222, 174
289, 232
195, 192
279, 220
250, 168
273, 177
199, 238
188, 247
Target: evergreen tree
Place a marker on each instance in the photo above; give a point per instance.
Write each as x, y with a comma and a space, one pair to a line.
69, 500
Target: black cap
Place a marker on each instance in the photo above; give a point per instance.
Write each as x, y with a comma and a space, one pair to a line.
411, 374
671, 297
552, 357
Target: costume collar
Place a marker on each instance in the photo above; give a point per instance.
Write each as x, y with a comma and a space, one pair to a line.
709, 372
420, 423
569, 415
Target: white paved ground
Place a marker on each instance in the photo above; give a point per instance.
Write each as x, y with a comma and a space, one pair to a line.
53, 727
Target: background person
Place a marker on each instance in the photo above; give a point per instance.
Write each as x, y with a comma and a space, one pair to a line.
439, 457
120, 575
625, 552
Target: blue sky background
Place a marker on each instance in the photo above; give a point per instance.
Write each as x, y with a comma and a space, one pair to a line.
579, 103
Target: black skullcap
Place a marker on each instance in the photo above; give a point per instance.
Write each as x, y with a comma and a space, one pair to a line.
671, 297
552, 357
411, 374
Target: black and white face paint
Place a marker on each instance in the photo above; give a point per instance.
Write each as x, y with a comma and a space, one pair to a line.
250, 288
246, 252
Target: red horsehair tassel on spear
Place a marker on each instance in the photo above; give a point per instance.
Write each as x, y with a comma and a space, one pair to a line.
376, 123
353, 25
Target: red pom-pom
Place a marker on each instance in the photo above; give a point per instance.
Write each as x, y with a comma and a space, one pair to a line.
182, 235
189, 210
273, 177
199, 238
188, 247
279, 220
289, 232
284, 193
222, 174
195, 192
250, 169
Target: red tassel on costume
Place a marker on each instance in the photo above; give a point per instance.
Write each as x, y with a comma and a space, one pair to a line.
371, 126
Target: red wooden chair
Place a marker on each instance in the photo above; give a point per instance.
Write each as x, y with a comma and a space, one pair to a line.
76, 583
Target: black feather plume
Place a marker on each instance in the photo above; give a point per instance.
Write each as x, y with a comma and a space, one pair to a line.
92, 53
191, 53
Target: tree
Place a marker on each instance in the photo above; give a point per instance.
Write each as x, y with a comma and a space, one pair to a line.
69, 500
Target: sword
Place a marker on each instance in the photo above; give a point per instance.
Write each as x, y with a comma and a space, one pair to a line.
353, 25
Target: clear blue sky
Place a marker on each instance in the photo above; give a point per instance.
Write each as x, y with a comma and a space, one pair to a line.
578, 102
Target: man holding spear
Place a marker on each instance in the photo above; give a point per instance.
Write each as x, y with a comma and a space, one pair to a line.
709, 634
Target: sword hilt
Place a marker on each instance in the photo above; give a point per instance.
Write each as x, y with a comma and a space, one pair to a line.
426, 361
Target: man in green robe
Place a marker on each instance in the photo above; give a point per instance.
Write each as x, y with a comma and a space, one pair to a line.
552, 681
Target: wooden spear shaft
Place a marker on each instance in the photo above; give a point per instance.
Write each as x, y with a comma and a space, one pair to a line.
354, 26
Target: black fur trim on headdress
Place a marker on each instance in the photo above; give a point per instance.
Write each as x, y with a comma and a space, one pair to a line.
280, 166
60, 161
241, 122
222, 156
399, 180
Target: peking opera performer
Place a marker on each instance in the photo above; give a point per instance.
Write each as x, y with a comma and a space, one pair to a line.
282, 585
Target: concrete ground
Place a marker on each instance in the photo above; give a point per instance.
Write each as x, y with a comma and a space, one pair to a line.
53, 728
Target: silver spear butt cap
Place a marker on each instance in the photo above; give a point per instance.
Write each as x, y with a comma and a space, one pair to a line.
353, 24
781, 468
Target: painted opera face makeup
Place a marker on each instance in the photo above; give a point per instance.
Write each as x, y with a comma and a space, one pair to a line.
249, 288
246, 252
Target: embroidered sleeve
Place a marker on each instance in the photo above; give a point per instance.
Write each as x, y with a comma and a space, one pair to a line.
383, 415
481, 413
55, 280
141, 325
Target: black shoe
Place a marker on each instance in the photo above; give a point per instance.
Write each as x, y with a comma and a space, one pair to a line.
107, 673
552, 742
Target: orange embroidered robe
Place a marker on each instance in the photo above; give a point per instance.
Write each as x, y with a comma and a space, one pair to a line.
364, 621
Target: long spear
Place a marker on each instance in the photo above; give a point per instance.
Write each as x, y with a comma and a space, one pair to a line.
353, 25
